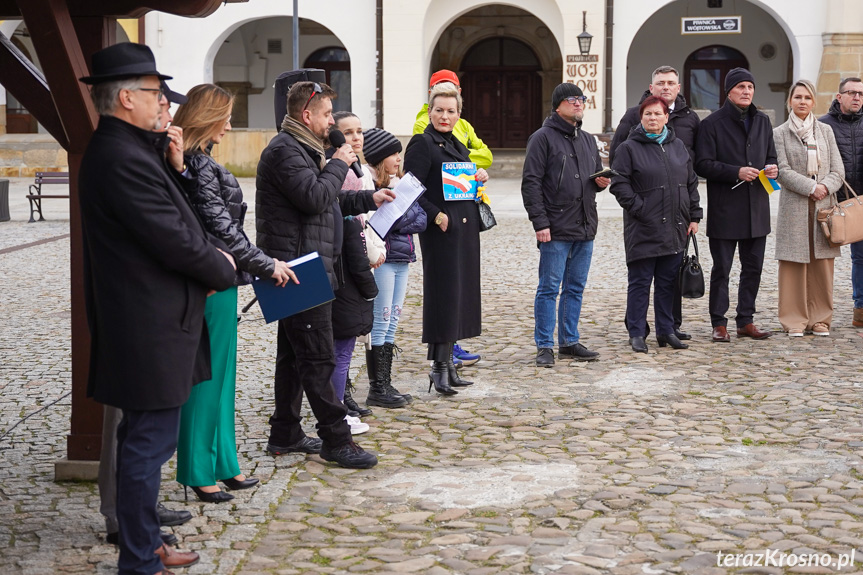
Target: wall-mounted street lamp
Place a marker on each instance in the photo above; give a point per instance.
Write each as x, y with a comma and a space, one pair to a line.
584, 38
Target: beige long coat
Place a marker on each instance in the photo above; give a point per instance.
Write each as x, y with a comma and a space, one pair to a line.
793, 222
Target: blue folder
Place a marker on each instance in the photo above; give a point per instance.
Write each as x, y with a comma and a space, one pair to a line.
313, 290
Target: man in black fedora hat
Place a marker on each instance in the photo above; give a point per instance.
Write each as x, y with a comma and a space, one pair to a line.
149, 265
107, 480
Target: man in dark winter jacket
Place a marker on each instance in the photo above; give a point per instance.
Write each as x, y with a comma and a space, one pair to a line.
560, 199
665, 84
734, 144
845, 117
298, 204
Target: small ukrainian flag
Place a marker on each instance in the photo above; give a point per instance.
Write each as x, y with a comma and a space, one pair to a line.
770, 185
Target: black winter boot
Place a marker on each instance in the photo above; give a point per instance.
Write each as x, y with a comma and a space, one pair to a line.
354, 409
386, 370
454, 379
378, 394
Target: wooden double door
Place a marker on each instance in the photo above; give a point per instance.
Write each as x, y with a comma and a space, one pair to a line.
503, 105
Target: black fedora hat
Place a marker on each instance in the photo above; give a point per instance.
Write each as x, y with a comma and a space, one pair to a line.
124, 60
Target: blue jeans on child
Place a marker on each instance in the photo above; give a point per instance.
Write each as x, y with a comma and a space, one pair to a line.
563, 268
392, 280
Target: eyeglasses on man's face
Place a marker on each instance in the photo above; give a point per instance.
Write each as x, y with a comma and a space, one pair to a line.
158, 91
316, 89
853, 93
573, 99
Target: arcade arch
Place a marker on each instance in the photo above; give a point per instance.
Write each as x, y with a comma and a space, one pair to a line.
763, 45
508, 62
253, 54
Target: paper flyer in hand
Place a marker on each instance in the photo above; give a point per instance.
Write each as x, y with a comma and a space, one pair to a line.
459, 181
407, 191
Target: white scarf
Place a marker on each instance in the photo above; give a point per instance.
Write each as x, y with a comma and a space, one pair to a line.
805, 130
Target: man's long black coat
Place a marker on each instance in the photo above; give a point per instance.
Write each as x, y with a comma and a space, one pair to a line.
148, 266
722, 147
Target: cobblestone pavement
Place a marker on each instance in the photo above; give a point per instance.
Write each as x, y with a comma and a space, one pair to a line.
634, 464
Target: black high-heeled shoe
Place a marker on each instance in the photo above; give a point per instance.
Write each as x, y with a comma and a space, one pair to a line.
670, 339
454, 379
638, 344
439, 378
236, 484
215, 497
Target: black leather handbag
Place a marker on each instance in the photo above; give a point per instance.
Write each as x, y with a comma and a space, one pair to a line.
690, 276
486, 218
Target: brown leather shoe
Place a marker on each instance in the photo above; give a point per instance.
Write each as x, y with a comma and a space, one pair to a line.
720, 334
172, 558
858, 317
750, 330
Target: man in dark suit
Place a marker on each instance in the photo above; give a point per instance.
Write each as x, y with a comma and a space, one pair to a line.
149, 265
733, 145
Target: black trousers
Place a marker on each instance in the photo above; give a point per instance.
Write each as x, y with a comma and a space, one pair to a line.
439, 352
304, 362
145, 441
751, 254
677, 304
662, 273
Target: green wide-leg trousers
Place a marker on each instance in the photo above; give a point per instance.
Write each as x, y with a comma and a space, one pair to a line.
207, 446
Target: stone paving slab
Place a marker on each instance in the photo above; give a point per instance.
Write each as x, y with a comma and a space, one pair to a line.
634, 464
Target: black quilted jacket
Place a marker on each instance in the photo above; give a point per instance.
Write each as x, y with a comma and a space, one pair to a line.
298, 204
848, 129
219, 202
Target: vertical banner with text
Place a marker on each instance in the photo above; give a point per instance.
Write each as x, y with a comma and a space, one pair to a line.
583, 71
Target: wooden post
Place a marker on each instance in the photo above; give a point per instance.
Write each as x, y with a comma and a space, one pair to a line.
64, 59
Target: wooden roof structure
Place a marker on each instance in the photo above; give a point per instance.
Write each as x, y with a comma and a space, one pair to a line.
65, 34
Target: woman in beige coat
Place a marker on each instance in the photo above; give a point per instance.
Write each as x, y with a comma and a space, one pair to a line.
810, 168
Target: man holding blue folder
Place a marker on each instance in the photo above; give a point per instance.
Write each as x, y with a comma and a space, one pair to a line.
300, 206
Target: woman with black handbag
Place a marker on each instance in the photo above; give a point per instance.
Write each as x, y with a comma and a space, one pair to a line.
452, 295
658, 190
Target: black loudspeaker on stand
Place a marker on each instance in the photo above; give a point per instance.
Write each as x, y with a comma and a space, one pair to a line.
283, 84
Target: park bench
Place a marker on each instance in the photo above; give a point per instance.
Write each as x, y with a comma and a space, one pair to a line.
36, 196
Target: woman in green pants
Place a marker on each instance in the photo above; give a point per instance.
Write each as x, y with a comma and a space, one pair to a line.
207, 447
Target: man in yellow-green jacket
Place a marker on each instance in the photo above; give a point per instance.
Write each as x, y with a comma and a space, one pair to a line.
480, 155
479, 152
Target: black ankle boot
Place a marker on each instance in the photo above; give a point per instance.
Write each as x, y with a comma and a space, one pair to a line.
378, 394
386, 368
439, 378
354, 409
454, 379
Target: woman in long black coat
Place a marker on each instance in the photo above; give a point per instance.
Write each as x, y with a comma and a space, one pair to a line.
658, 190
452, 297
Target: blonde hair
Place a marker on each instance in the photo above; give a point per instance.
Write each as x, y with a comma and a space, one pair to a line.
806, 85
445, 90
382, 177
203, 116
